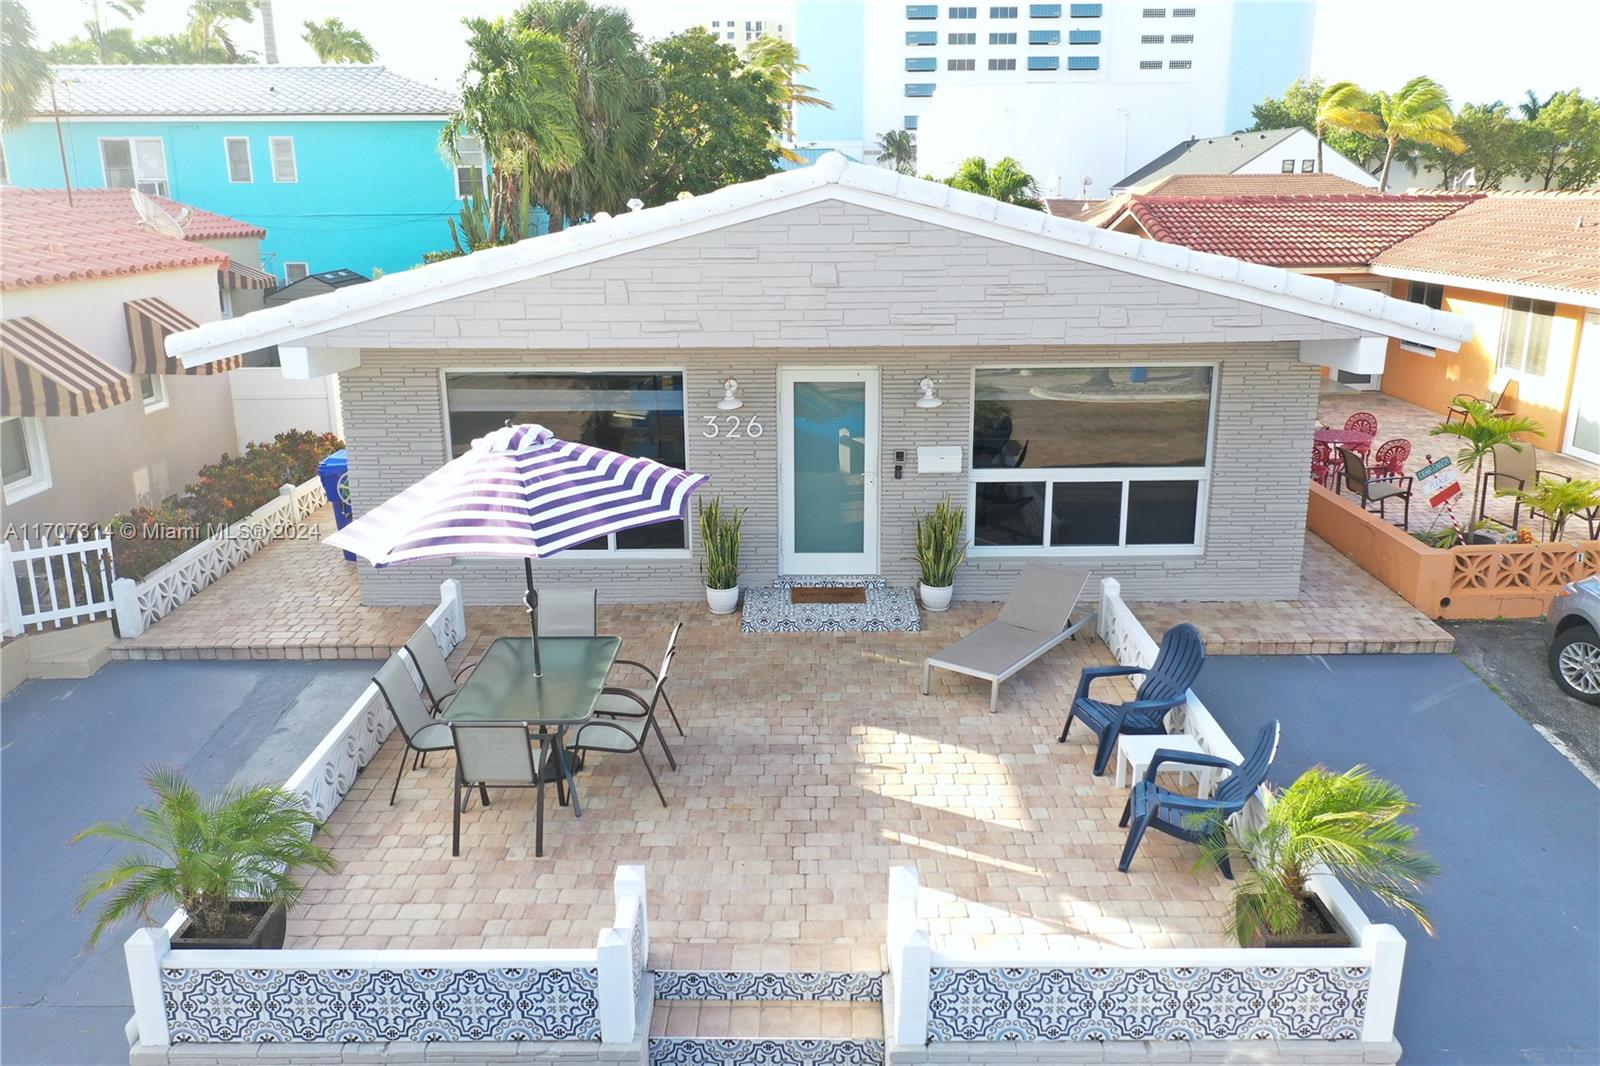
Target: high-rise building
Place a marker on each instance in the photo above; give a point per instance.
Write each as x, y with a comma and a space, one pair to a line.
1081, 93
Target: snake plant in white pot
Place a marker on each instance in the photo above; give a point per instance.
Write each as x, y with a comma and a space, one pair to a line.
941, 546
720, 533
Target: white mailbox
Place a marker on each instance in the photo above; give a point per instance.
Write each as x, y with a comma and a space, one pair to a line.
939, 460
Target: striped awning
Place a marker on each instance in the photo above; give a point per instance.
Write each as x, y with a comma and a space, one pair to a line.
150, 322
42, 374
238, 276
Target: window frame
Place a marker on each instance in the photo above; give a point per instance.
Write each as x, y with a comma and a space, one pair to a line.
294, 160
249, 161
165, 181
1082, 63
39, 478
1521, 372
959, 40
1044, 64
460, 163
159, 399
612, 553
960, 65
922, 38
1046, 38
922, 64
1003, 34
305, 270
1001, 63
1050, 475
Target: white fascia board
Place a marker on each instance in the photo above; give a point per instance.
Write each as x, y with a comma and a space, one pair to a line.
304, 364
1354, 355
832, 178
1503, 288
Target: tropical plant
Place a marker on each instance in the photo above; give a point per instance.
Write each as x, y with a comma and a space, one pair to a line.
1343, 105
1451, 535
202, 855
334, 42
941, 543
1497, 147
1556, 501
720, 120
1417, 115
25, 72
720, 533
898, 149
1298, 106
1006, 181
111, 46
1347, 825
1480, 430
209, 36
614, 96
1563, 141
482, 226
779, 60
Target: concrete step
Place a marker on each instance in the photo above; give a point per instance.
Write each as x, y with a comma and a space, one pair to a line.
72, 662
771, 1032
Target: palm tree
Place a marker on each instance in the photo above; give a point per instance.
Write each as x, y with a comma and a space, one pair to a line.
1343, 105
107, 47
616, 95
1006, 181
898, 149
25, 72
779, 60
1347, 824
1531, 104
243, 844
208, 30
334, 42
517, 100
1418, 114
1480, 430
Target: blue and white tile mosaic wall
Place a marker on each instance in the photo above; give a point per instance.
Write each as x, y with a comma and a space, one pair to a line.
700, 1051
836, 986
368, 1006
1144, 1004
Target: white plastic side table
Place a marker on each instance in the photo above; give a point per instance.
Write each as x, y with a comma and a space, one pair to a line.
1135, 752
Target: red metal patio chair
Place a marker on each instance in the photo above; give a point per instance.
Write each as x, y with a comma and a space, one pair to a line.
1362, 422
1323, 464
1390, 458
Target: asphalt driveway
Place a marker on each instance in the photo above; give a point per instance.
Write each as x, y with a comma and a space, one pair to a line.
1514, 973
71, 753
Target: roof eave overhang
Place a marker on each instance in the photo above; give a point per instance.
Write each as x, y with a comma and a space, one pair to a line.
830, 179
1574, 297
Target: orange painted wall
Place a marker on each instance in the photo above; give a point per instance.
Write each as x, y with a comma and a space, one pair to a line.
1434, 382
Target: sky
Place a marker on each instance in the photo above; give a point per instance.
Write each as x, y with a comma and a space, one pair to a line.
1478, 49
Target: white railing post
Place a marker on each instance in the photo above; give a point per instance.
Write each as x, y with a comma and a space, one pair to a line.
450, 594
615, 988
144, 951
10, 598
125, 605
1110, 592
627, 888
910, 959
1388, 949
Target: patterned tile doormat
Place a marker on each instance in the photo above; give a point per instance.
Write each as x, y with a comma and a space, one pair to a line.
823, 594
877, 608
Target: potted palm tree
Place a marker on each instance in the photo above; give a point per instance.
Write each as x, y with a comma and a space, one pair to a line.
1479, 431
1345, 824
720, 534
229, 862
941, 546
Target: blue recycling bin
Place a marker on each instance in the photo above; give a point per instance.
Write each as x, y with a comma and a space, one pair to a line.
335, 474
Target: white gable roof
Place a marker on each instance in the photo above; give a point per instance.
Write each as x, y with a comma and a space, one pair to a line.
243, 89
832, 178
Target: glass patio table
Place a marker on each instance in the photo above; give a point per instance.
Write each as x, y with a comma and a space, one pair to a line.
503, 688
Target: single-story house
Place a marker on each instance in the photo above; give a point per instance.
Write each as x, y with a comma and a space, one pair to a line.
1286, 151
839, 347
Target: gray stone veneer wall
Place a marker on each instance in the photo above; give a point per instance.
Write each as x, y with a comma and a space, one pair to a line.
842, 285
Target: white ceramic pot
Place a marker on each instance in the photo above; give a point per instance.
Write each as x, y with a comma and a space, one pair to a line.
722, 601
936, 599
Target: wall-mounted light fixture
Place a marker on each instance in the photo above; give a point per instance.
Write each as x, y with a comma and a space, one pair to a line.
930, 395
729, 401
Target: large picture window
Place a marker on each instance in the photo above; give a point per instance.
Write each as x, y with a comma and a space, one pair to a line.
1525, 335
1090, 459
637, 413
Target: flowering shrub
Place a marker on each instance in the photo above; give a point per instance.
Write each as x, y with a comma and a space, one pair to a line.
222, 493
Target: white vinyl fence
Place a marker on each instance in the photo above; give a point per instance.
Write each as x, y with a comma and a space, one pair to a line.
55, 582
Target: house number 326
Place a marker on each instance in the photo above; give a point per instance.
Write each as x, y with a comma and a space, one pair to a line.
731, 426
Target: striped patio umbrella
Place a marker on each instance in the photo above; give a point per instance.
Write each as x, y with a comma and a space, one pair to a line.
520, 493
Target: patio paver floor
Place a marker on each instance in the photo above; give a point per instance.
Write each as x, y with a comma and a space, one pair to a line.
811, 766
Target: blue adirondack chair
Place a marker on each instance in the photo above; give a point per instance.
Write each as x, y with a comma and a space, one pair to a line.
1196, 820
1165, 686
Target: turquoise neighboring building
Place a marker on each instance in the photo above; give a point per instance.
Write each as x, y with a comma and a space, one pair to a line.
340, 164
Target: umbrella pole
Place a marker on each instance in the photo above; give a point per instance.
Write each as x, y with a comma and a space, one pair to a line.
530, 600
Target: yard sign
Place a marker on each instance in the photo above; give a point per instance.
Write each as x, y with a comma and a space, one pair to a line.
1439, 481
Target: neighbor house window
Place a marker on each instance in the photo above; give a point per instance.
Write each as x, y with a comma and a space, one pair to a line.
1525, 335
1421, 292
135, 163
922, 63
1002, 38
1083, 36
1086, 459
469, 168
1047, 37
1002, 64
283, 163
963, 38
961, 64
238, 148
1085, 11
921, 37
963, 12
1002, 12
153, 391
922, 11
22, 455
1044, 11
1044, 63
1287, 166
637, 413
293, 271
1083, 62
910, 123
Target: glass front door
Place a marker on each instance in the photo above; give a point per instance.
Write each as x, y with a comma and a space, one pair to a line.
1583, 420
828, 471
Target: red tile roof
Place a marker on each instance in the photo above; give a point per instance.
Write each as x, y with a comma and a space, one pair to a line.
44, 241
1294, 231
1254, 185
1551, 240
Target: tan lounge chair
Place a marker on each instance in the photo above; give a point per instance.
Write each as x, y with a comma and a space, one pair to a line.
1035, 618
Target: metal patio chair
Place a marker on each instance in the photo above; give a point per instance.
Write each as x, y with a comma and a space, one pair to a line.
1165, 686
1375, 490
1389, 458
1197, 820
1458, 404
500, 755
422, 734
1362, 422
618, 728
1515, 467
439, 685
641, 695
